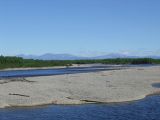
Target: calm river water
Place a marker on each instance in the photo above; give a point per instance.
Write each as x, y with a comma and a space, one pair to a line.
146, 109
59, 71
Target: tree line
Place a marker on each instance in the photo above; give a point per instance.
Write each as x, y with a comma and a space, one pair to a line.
18, 62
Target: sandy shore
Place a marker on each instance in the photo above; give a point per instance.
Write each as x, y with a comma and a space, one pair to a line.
103, 87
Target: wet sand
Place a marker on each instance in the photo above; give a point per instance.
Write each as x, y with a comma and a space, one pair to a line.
95, 87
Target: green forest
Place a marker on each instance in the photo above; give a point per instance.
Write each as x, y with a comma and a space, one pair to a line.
18, 62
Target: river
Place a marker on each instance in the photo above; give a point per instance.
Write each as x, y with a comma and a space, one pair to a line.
59, 71
146, 109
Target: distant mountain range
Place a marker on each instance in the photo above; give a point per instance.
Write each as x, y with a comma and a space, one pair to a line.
49, 56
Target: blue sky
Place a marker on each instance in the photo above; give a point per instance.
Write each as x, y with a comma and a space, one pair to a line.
80, 27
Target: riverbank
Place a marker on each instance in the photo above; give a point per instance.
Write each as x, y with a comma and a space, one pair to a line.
95, 87
58, 67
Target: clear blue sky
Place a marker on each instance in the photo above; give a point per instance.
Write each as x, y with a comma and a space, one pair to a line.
81, 27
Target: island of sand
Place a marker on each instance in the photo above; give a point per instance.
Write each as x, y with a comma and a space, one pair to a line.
95, 87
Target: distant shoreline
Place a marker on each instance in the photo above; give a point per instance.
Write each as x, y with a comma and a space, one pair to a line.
75, 65
59, 67
75, 69
18, 62
49, 71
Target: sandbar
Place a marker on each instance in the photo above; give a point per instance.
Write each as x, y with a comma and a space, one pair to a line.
94, 87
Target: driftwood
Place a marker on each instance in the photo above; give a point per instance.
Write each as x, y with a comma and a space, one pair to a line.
19, 95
